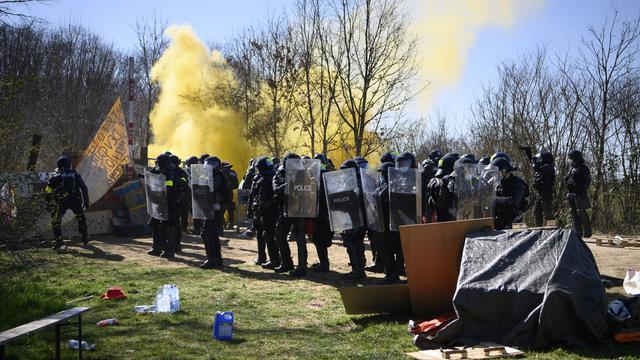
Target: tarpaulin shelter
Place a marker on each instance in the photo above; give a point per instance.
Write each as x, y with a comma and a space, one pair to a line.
529, 288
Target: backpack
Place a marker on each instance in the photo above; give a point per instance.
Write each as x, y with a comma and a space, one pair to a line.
231, 180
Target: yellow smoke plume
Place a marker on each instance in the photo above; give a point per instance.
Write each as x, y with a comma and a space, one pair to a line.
448, 29
187, 126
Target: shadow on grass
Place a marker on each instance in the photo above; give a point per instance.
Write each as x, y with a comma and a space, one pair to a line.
96, 253
609, 350
396, 319
331, 278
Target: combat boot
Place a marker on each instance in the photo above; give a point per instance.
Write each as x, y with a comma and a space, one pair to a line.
284, 267
299, 271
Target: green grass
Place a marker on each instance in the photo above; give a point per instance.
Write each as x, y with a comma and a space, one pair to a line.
275, 317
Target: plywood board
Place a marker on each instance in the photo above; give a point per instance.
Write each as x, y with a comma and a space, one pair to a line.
432, 259
481, 351
376, 299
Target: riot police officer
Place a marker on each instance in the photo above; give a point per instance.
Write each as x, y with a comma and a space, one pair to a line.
284, 225
211, 227
577, 182
181, 189
544, 178
440, 188
264, 212
185, 203
428, 172
354, 238
322, 235
391, 249
66, 190
163, 230
511, 194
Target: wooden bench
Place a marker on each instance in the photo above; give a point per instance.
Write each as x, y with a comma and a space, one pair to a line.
56, 320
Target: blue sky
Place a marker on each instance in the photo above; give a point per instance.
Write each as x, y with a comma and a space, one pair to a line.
558, 24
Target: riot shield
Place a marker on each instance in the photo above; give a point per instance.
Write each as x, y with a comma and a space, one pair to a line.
372, 202
475, 189
303, 182
202, 196
156, 191
343, 200
405, 197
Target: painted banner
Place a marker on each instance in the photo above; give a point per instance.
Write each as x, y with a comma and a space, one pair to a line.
106, 157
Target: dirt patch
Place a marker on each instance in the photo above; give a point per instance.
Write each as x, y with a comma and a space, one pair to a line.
612, 261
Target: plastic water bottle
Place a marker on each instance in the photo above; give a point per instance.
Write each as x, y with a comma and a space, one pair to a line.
168, 299
223, 325
108, 322
162, 300
174, 296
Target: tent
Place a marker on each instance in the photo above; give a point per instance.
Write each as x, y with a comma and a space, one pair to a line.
531, 288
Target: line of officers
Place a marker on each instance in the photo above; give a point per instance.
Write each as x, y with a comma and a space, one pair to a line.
302, 197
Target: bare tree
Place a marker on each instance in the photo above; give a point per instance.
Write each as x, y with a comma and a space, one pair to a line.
277, 60
11, 11
247, 95
151, 44
375, 59
607, 57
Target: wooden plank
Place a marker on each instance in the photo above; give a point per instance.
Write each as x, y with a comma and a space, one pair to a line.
45, 322
432, 260
480, 351
376, 299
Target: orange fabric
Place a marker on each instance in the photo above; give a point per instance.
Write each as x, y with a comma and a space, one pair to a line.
625, 337
433, 324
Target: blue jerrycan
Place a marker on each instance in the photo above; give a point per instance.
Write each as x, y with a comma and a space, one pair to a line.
223, 325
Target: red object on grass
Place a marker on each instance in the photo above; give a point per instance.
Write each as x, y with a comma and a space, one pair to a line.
114, 293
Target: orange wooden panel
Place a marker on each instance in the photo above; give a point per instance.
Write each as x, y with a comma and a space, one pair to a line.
432, 259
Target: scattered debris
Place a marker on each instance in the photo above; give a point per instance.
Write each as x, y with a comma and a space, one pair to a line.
80, 299
481, 351
107, 322
223, 325
632, 282
114, 293
144, 309
168, 299
74, 344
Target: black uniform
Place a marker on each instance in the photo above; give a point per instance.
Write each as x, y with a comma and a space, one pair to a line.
510, 195
354, 238
391, 248
441, 189
66, 190
163, 231
186, 207
284, 223
577, 183
428, 172
322, 234
544, 178
211, 228
264, 212
232, 184
181, 187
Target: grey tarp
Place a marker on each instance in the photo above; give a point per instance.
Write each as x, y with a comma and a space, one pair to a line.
532, 288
